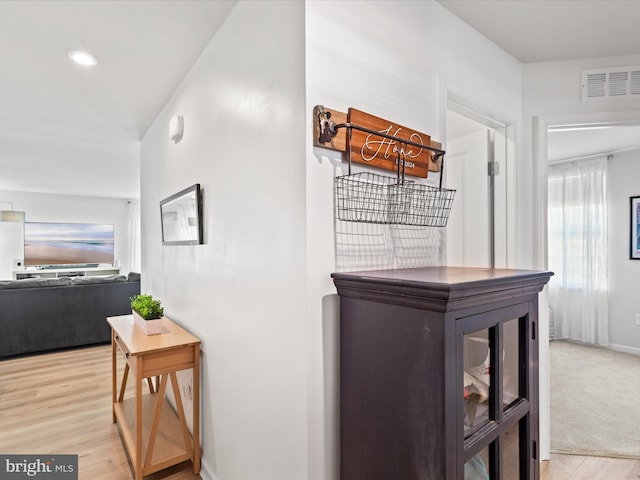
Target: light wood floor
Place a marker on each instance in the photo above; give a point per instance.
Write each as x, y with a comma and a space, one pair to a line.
60, 403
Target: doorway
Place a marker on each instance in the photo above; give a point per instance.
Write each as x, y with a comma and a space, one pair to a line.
538, 234
592, 156
478, 166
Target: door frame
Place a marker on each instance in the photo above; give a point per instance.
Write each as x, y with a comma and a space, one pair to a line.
540, 125
480, 114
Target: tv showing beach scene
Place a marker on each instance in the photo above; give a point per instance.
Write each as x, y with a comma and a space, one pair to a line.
67, 244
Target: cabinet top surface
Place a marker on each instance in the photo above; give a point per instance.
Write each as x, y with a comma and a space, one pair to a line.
445, 278
138, 342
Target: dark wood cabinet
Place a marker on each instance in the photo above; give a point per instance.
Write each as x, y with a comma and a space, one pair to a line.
439, 374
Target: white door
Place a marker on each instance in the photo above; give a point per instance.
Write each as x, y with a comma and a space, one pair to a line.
475, 166
468, 229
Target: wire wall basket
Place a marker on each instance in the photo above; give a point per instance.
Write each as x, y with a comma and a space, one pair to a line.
369, 197
372, 198
429, 206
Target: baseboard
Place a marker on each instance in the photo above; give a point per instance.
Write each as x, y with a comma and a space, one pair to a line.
612, 346
206, 472
624, 349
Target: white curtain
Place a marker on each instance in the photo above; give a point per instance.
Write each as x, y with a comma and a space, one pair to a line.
578, 250
134, 236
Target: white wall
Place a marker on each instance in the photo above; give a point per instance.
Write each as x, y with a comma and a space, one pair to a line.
396, 60
551, 91
551, 94
242, 292
11, 247
259, 293
43, 207
623, 172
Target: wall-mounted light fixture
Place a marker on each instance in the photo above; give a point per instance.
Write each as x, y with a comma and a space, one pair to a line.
176, 128
11, 215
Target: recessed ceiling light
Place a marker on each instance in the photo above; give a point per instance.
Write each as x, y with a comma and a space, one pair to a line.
83, 58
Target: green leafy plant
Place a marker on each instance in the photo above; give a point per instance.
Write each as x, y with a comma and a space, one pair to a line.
147, 307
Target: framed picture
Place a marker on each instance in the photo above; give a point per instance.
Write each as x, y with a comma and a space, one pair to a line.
634, 253
181, 217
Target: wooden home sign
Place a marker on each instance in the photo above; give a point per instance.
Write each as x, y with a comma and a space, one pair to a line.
382, 152
377, 151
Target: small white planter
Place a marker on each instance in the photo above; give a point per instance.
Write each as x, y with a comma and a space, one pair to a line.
149, 327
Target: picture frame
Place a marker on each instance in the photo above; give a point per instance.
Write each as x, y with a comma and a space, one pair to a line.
634, 228
181, 217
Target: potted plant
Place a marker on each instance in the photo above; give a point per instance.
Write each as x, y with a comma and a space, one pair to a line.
147, 313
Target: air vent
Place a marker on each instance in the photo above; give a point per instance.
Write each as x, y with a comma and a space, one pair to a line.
596, 85
610, 83
635, 82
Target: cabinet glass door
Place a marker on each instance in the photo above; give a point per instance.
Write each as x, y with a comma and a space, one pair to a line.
492, 462
511, 362
512, 454
478, 467
476, 379
494, 351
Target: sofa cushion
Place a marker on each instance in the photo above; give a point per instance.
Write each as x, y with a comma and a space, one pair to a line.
94, 280
133, 277
34, 282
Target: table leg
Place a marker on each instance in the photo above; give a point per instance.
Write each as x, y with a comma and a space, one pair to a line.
196, 409
138, 456
151, 442
180, 411
123, 387
113, 375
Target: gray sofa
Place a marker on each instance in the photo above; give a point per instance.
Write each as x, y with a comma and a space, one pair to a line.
37, 315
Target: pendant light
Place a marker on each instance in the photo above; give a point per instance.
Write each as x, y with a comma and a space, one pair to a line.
11, 215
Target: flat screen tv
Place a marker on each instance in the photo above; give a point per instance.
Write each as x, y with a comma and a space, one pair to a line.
67, 244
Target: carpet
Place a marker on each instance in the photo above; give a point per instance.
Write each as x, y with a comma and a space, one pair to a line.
595, 401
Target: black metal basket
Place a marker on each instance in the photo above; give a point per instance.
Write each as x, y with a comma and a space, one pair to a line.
428, 206
372, 198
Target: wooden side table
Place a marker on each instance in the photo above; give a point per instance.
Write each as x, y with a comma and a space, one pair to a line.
155, 436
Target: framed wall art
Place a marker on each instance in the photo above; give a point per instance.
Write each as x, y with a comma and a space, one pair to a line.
181, 217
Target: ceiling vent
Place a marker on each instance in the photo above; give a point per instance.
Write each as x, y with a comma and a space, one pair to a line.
610, 83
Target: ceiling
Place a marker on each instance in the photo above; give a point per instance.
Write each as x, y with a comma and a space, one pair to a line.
572, 144
76, 130
548, 30
65, 128
557, 30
